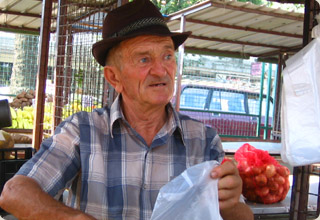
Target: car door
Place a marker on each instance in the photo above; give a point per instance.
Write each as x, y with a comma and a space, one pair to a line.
194, 102
229, 109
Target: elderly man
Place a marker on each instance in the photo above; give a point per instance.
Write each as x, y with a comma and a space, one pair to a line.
114, 161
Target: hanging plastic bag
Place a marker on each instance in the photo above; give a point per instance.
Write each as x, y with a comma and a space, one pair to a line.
264, 179
191, 195
300, 107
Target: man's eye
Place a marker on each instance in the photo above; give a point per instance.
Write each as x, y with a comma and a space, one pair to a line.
143, 60
168, 57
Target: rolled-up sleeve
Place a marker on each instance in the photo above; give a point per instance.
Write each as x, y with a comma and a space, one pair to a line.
58, 161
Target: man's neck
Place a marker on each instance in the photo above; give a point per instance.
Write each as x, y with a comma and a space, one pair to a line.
146, 121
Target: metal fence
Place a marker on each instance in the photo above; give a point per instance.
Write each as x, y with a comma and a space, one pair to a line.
18, 62
18, 73
6, 59
74, 82
79, 83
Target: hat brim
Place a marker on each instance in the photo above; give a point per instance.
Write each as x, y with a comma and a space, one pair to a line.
101, 48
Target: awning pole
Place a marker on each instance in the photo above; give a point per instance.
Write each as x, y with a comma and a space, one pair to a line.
180, 65
42, 73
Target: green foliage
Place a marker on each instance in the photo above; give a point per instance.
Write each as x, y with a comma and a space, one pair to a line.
284, 6
170, 6
5, 73
289, 7
78, 77
256, 2
24, 70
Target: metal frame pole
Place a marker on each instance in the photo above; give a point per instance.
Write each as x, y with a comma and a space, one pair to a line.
180, 65
42, 73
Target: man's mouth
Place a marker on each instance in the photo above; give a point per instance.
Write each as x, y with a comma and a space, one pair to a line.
158, 84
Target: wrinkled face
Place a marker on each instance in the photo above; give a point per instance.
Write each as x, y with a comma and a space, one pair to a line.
146, 70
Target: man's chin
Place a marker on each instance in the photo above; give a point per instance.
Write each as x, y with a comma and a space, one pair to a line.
161, 102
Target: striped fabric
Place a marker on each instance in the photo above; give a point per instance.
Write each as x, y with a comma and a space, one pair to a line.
110, 171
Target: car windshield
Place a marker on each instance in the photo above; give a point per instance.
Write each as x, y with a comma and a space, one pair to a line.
194, 98
216, 99
227, 101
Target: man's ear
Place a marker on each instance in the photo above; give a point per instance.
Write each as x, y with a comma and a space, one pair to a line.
111, 74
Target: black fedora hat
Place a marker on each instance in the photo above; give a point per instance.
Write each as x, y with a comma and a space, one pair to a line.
136, 18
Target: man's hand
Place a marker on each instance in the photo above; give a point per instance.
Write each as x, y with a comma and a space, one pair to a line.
229, 190
229, 185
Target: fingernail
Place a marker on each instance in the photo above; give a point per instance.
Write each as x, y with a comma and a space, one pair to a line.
214, 174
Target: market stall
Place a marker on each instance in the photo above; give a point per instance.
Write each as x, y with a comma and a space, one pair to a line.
299, 203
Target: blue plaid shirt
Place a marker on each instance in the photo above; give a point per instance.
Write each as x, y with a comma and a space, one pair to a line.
110, 171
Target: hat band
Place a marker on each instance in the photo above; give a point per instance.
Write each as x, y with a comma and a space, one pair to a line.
140, 24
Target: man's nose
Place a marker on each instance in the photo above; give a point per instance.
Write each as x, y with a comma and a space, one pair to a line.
158, 68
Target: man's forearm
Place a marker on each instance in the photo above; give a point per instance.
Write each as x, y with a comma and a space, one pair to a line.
23, 198
239, 211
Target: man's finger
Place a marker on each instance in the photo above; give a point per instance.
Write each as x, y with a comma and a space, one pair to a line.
227, 168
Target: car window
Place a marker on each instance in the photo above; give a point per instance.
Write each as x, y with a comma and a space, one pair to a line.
253, 104
232, 102
194, 98
215, 103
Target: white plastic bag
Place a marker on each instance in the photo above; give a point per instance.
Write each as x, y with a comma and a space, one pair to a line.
193, 195
300, 107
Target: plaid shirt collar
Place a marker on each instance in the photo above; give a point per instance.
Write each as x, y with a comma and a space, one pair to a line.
174, 121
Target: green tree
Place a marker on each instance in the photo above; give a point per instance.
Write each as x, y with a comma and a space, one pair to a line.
170, 6
256, 2
24, 71
284, 6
